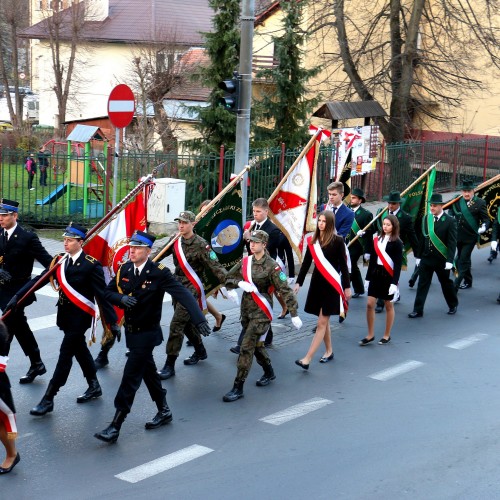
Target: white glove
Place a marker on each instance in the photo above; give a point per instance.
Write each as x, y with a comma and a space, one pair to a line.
367, 284
417, 262
233, 296
393, 289
297, 322
448, 266
247, 287
360, 233
366, 256
494, 245
482, 229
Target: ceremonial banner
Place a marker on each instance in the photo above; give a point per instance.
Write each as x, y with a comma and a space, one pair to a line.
345, 177
361, 144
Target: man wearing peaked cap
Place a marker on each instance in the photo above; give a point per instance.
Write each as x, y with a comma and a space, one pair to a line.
18, 250
75, 231
186, 216
139, 288
472, 220
437, 250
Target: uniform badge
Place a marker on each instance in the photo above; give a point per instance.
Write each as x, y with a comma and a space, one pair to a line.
282, 276
212, 255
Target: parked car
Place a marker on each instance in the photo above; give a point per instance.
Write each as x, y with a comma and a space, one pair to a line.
6, 127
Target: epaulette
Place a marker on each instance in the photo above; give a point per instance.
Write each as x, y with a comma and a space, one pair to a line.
90, 259
61, 254
161, 266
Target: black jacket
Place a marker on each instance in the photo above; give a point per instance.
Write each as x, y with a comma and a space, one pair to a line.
274, 237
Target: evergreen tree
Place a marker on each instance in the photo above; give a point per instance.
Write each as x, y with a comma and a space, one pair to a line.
285, 109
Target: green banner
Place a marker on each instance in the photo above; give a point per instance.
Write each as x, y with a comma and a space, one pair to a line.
490, 193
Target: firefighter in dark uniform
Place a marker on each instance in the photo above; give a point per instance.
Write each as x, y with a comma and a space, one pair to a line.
81, 280
18, 250
139, 287
406, 231
361, 247
472, 220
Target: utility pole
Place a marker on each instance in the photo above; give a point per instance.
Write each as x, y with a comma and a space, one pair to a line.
245, 98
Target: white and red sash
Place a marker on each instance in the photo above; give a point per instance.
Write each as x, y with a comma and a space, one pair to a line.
190, 274
7, 416
383, 256
261, 301
328, 272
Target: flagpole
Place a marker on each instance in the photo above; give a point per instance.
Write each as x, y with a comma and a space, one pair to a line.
199, 216
294, 164
382, 212
482, 185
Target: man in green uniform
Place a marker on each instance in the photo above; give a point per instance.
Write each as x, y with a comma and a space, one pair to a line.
193, 259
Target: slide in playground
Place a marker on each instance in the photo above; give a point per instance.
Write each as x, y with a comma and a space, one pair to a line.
53, 196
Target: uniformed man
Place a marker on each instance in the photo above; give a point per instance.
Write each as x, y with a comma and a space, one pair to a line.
192, 256
18, 250
472, 220
81, 282
258, 275
406, 230
139, 288
437, 251
361, 247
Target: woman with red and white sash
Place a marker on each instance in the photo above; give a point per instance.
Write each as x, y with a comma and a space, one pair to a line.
386, 259
330, 289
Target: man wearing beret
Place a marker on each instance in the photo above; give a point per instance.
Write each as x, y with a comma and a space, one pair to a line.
472, 220
437, 250
192, 257
139, 288
18, 250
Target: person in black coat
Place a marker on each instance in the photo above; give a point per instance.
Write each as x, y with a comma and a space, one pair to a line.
437, 251
139, 288
18, 250
81, 282
382, 277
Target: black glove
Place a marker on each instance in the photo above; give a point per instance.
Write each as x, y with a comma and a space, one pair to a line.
128, 301
12, 304
5, 277
116, 331
203, 329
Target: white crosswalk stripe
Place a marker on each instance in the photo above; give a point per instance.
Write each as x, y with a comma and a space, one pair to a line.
295, 411
467, 341
396, 370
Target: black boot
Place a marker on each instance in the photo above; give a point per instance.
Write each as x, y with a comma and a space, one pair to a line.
235, 393
36, 368
267, 377
199, 354
94, 391
111, 433
46, 405
164, 415
169, 369
102, 358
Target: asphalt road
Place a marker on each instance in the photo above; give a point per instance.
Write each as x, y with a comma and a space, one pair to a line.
418, 418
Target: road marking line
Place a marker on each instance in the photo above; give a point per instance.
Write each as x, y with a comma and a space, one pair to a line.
163, 464
396, 370
467, 341
42, 322
295, 411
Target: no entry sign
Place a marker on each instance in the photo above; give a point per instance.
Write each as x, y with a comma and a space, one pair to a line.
121, 106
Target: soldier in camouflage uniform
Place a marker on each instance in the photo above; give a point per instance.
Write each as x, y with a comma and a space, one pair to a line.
266, 276
200, 256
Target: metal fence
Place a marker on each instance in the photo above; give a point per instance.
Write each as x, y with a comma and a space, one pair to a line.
80, 188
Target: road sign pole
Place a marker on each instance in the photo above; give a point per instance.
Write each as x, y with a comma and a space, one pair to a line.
115, 166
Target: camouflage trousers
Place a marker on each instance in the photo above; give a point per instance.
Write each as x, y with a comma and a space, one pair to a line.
179, 326
252, 345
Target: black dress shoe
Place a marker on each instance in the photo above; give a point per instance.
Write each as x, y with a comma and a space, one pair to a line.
166, 372
101, 361
384, 341
379, 309
163, 417
6, 470
235, 349
366, 341
283, 316
452, 310
298, 362
464, 286
195, 357
415, 314
411, 283
108, 435
34, 371
217, 328
356, 295
43, 407
325, 359
94, 391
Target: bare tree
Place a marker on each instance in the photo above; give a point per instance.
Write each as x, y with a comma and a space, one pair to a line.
420, 58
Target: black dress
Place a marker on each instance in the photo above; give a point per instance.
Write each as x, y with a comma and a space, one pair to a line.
321, 295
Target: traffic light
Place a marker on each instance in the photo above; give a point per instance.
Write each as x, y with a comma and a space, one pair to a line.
231, 89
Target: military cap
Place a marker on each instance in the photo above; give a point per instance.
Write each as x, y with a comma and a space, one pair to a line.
186, 216
359, 193
75, 231
8, 206
142, 239
259, 236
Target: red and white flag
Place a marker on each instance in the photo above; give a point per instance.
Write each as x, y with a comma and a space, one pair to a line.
293, 206
325, 135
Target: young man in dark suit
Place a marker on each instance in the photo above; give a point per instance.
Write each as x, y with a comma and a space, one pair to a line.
437, 250
19, 249
344, 216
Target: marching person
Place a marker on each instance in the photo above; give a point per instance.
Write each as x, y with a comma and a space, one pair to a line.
330, 289
192, 256
406, 232
257, 275
344, 216
139, 288
361, 247
472, 220
18, 250
382, 277
437, 250
8, 427
81, 283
